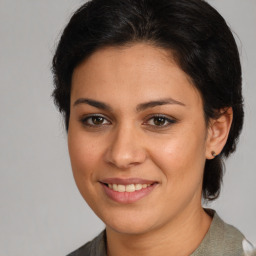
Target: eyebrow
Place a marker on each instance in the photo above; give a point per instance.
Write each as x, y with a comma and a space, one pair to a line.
139, 108
156, 103
93, 103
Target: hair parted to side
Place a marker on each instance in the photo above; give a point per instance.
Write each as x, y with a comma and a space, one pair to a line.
194, 32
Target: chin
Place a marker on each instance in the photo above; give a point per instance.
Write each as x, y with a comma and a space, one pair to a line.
131, 224
130, 228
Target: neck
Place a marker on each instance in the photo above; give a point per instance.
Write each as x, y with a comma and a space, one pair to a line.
180, 237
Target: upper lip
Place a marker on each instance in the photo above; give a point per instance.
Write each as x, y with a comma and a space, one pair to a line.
127, 181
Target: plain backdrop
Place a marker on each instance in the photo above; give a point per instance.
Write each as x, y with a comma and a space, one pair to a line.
41, 210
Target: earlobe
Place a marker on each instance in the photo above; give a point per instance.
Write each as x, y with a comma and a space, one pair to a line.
218, 131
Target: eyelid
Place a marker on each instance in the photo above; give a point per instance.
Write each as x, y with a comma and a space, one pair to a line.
170, 120
84, 118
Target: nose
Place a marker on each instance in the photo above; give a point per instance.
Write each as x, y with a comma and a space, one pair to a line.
126, 148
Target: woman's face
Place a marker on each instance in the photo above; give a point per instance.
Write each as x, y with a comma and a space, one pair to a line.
137, 138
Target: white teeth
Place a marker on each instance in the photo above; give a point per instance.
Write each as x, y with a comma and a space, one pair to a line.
138, 186
121, 188
127, 188
130, 188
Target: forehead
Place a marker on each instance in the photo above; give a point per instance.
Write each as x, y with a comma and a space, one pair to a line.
135, 72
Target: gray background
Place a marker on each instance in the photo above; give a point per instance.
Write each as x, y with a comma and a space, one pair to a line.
41, 211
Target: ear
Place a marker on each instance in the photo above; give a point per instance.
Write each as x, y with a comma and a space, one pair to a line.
218, 130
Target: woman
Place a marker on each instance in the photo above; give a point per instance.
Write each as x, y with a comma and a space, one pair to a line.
151, 95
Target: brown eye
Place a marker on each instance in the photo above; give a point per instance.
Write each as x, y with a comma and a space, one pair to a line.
97, 120
94, 120
159, 121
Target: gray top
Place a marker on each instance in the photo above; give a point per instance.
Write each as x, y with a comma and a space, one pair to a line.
221, 240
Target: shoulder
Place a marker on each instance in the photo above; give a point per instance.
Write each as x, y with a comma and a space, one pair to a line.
232, 235
227, 232
221, 239
96, 247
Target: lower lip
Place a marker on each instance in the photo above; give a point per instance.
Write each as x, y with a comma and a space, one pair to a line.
128, 197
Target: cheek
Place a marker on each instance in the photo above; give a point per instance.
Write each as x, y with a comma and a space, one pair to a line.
84, 156
181, 159
85, 159
179, 152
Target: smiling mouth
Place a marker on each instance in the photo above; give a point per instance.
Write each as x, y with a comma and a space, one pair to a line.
127, 188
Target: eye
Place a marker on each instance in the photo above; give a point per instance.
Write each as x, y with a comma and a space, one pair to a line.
160, 121
94, 120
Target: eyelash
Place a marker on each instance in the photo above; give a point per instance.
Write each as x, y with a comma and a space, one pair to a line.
167, 121
85, 120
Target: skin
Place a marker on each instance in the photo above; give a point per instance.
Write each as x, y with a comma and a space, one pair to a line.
129, 142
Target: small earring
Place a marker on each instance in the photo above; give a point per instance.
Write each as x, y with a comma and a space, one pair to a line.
214, 154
